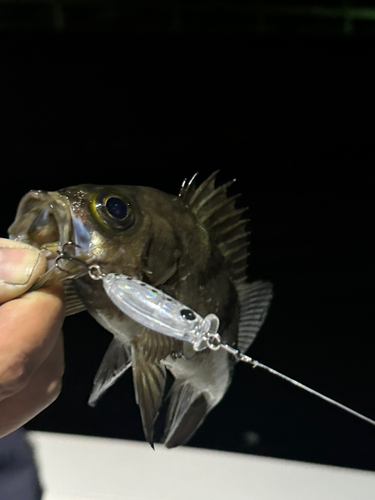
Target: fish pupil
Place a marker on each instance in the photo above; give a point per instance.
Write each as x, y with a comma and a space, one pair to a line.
116, 208
187, 314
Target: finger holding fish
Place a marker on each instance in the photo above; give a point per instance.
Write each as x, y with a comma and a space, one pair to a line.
30, 324
20, 267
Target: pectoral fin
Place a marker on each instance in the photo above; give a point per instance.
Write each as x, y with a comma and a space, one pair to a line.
116, 361
186, 412
73, 304
149, 383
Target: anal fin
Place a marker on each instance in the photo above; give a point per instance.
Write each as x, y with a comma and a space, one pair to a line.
186, 412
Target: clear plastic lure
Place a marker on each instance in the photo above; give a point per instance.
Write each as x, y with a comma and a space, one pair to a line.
156, 310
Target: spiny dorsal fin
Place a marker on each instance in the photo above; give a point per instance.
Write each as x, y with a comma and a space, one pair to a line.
187, 188
218, 214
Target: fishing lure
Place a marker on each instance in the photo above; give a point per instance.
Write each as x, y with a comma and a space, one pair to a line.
158, 311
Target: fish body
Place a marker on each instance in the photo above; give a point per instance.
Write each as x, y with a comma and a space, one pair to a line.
192, 246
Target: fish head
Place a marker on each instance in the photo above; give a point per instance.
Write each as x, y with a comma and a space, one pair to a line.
106, 227
129, 230
101, 224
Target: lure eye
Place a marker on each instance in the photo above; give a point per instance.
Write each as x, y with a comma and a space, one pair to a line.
187, 314
111, 210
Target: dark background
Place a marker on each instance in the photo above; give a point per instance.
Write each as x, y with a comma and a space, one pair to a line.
291, 117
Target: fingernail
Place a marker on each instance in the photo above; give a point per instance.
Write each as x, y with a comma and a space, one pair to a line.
17, 264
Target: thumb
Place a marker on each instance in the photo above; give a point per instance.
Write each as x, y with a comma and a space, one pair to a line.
20, 266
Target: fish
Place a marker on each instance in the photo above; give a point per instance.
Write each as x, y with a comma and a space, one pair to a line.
192, 246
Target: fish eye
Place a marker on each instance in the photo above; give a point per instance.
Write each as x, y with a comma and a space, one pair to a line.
111, 210
187, 314
116, 208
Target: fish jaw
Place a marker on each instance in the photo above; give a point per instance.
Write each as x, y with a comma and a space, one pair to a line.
42, 218
45, 220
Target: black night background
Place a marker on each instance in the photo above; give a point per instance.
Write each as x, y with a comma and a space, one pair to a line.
292, 119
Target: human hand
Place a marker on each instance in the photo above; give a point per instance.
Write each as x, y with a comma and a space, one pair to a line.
31, 346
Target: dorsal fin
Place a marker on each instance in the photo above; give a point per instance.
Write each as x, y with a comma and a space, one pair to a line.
218, 214
187, 188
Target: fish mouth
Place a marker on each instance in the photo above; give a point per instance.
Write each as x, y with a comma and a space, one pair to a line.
44, 221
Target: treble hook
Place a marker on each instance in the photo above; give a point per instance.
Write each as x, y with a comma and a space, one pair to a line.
65, 255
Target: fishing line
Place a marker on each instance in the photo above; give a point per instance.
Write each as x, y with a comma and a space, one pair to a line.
257, 364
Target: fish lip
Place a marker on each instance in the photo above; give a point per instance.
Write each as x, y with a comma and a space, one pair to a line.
61, 211
31, 206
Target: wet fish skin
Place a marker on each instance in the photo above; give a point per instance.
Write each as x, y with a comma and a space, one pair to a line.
192, 246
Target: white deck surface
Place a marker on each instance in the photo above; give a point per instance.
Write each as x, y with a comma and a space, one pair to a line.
88, 468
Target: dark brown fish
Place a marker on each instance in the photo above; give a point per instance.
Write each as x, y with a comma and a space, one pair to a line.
192, 246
